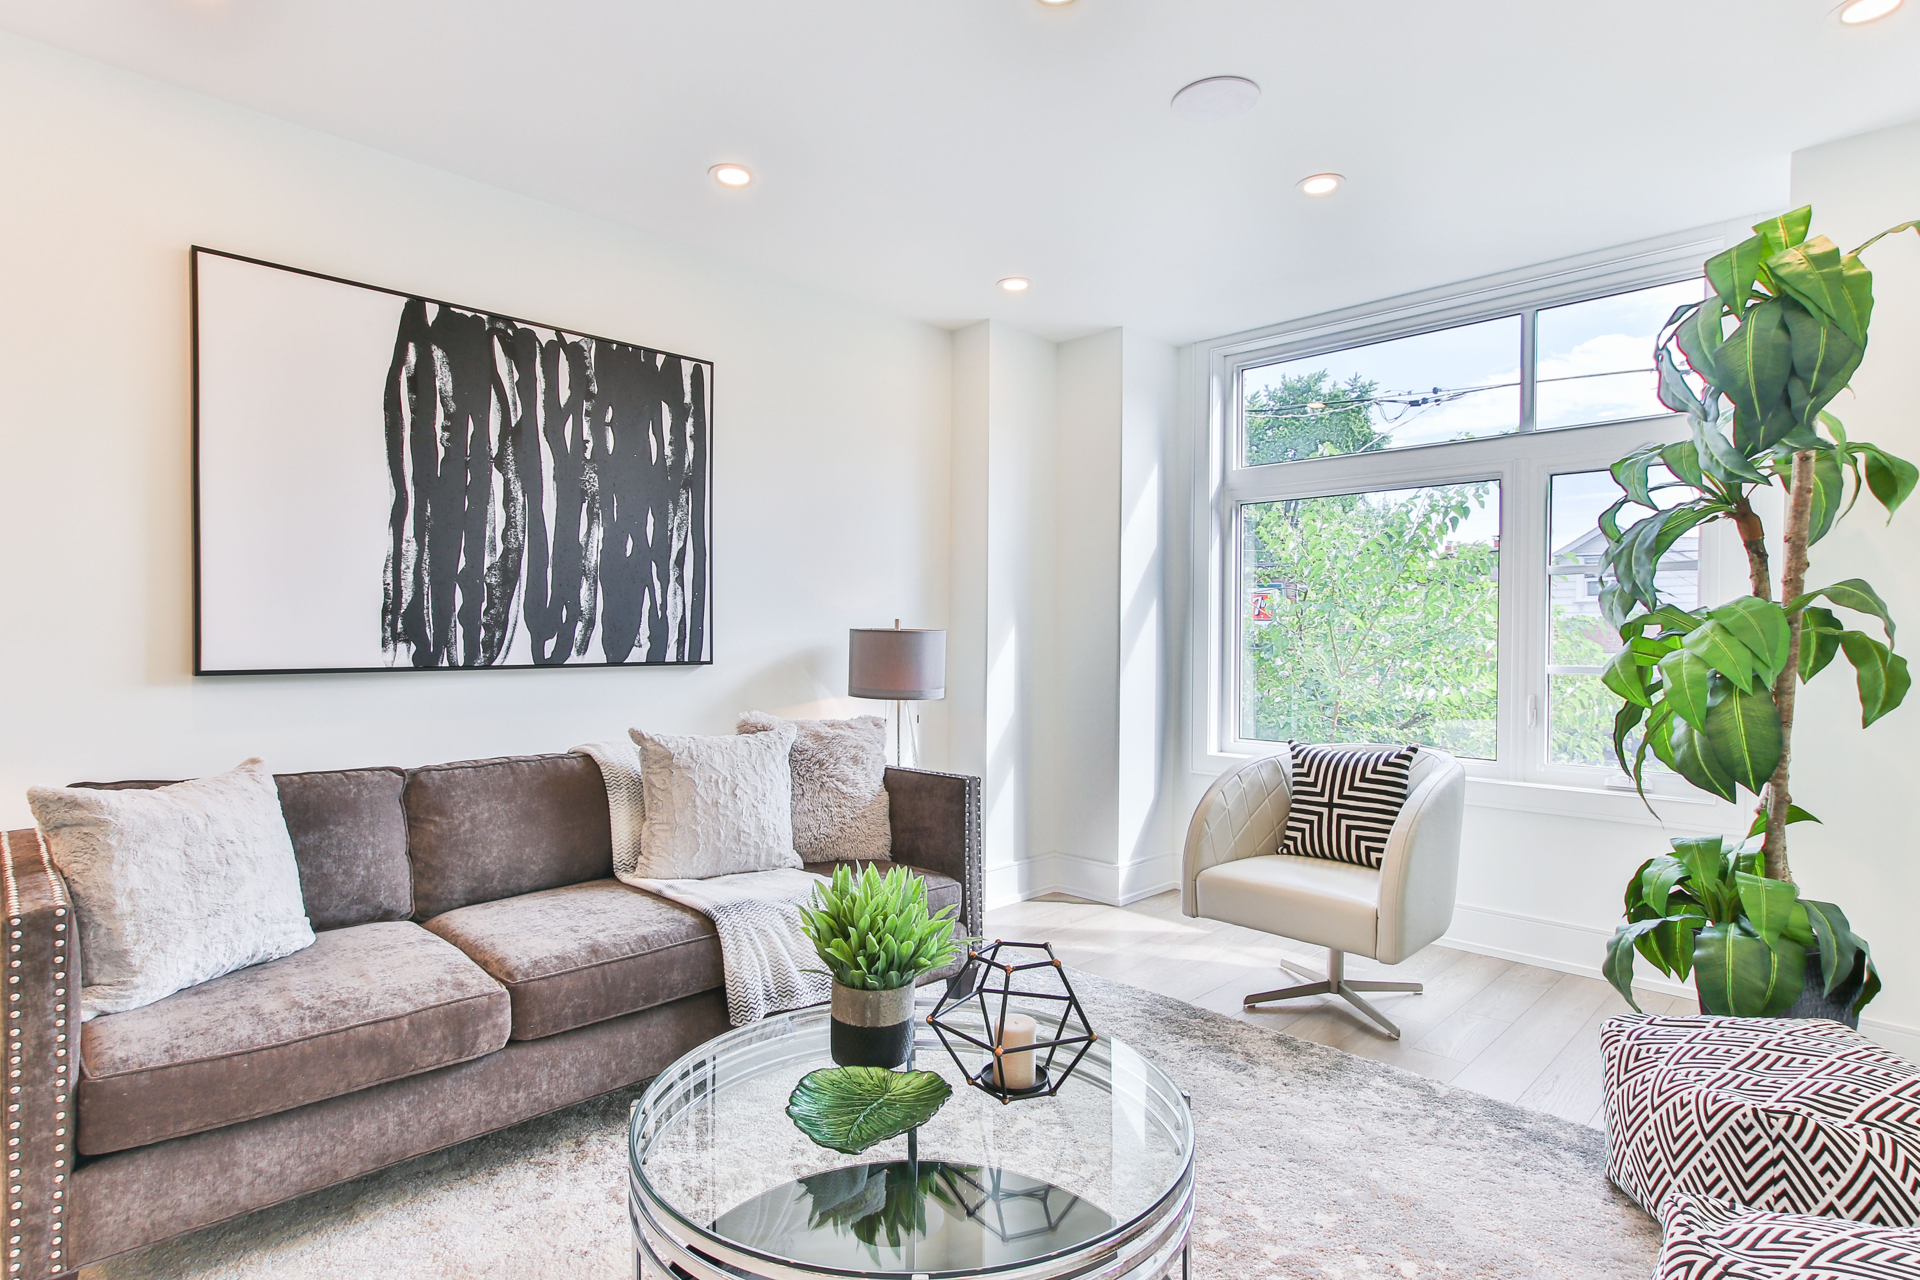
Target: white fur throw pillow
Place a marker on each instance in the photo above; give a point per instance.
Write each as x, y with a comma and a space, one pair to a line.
714, 806
839, 786
174, 886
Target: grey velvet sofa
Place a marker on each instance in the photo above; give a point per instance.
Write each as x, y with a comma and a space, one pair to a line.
476, 965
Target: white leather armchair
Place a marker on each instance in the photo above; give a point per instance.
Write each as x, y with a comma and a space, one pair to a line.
1235, 872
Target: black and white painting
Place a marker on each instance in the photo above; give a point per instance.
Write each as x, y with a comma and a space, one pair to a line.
389, 482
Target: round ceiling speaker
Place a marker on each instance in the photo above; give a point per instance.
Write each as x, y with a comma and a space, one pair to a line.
1216, 98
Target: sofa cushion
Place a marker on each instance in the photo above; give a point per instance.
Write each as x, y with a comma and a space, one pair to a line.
362, 1005
583, 953
349, 836
478, 830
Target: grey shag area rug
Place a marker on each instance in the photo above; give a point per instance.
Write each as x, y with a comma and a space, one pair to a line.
1311, 1162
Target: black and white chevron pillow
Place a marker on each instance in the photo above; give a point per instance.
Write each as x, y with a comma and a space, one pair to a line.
1345, 802
1714, 1240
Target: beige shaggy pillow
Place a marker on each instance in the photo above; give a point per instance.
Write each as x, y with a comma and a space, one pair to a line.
715, 806
174, 886
839, 786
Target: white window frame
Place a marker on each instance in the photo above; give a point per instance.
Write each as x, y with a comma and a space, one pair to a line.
1522, 461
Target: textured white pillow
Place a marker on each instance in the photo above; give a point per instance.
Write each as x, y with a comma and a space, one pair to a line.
715, 806
176, 885
839, 786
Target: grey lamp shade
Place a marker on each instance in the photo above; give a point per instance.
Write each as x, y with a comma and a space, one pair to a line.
895, 665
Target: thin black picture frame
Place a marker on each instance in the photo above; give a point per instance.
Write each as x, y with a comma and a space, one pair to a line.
707, 496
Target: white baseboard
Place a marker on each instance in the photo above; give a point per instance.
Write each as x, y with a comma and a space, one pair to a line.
1089, 878
1578, 948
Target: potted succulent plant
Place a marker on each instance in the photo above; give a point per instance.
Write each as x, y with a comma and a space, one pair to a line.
1711, 690
875, 936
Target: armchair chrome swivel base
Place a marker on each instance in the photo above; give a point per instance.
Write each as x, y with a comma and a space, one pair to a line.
1335, 984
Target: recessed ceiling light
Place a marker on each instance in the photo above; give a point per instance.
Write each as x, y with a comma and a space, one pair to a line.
1216, 98
1321, 184
1055, 4
1858, 11
1016, 284
731, 175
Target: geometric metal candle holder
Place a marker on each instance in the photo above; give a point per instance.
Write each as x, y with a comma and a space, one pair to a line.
987, 979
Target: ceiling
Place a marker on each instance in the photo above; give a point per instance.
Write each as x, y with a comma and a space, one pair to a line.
910, 153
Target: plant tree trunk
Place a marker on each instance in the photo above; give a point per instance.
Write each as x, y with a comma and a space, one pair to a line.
1753, 536
1793, 581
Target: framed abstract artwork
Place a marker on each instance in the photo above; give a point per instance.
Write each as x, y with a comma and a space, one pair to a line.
388, 482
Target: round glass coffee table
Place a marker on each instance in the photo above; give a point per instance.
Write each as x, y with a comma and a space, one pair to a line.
1096, 1180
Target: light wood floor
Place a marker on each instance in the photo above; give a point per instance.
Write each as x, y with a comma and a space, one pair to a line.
1508, 1030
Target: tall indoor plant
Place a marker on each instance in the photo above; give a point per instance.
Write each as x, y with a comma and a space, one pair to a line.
1712, 689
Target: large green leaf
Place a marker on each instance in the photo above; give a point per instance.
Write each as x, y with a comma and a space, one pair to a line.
1814, 275
1675, 391
1669, 946
1794, 814
1625, 721
1739, 975
1626, 675
1824, 357
1714, 644
1829, 491
1731, 272
849, 1109
1743, 727
1752, 367
1786, 230
1657, 880
1720, 459
1890, 479
1683, 459
1819, 640
1769, 904
1618, 967
1760, 625
1834, 936
1687, 681
1853, 593
1693, 758
1881, 674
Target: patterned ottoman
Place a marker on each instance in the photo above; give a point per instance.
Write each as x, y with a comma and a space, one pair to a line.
1781, 1114
1708, 1240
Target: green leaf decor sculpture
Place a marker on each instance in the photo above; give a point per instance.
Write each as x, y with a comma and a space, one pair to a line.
849, 1109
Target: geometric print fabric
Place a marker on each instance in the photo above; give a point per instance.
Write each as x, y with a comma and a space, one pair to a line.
1710, 1240
1786, 1115
1344, 802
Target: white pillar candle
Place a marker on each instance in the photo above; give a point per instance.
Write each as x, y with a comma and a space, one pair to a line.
1016, 1069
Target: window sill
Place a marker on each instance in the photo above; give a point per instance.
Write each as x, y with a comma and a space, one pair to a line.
1703, 814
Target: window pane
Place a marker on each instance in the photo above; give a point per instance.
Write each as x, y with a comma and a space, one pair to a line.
1373, 617
1452, 384
1594, 359
1580, 642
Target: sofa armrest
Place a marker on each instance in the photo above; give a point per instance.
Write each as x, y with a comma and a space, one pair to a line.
936, 826
42, 1055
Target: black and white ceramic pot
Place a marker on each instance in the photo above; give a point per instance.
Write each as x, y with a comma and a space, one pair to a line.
871, 1028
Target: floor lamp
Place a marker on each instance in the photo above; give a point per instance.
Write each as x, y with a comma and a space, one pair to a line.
897, 666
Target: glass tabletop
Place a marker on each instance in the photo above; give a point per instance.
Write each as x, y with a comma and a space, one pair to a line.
983, 1186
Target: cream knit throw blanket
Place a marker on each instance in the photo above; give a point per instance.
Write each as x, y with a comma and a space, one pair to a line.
769, 961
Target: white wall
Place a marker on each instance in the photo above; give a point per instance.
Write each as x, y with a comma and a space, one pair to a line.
832, 482
1001, 655
1058, 570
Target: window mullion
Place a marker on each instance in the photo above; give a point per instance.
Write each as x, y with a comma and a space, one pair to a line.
1529, 336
